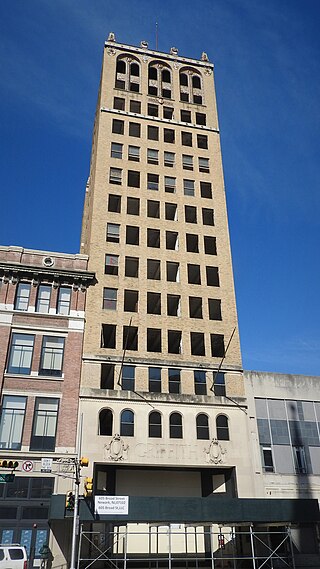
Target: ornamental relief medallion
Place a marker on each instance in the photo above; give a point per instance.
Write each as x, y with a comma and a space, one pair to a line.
117, 449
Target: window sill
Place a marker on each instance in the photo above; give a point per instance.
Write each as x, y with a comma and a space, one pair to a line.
36, 377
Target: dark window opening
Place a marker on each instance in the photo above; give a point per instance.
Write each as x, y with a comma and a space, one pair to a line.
114, 203
196, 82
222, 428
174, 380
201, 119
206, 190
168, 113
132, 267
135, 107
217, 345
171, 211
133, 179
153, 340
172, 240
202, 423
130, 338
132, 235
133, 206
131, 300
153, 133
127, 424
153, 182
207, 216
194, 276
212, 276
200, 382
197, 343
153, 238
192, 242
153, 269
190, 214
168, 135
111, 265
172, 272
119, 103
174, 341
186, 138
153, 110
185, 116
173, 305
153, 303
214, 305
155, 379
135, 129
155, 430
108, 336
219, 384
210, 245
117, 126
107, 376
128, 378
105, 422
175, 426
195, 307
153, 209
202, 141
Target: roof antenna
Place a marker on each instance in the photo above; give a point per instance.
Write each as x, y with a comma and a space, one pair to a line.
156, 36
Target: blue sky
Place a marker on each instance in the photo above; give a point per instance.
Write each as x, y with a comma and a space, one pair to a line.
266, 57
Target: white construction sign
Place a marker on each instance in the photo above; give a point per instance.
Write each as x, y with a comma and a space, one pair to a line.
111, 505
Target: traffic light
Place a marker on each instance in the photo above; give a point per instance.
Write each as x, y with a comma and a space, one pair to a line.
84, 461
221, 541
9, 464
88, 487
70, 501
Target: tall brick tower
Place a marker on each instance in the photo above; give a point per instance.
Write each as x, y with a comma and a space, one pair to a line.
162, 391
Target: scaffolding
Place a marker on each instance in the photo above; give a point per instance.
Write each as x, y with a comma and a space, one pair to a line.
185, 546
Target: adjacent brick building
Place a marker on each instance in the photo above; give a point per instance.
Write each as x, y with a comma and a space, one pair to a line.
42, 304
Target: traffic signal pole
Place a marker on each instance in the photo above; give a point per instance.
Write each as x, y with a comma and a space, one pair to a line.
75, 525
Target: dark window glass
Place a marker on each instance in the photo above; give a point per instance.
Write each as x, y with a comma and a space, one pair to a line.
185, 116
114, 203
108, 336
128, 377
197, 343
134, 69
135, 107
153, 73
200, 382
35, 513
133, 179
174, 380
117, 126
201, 118
219, 384
153, 110
217, 345
205, 190
202, 427
155, 379
196, 83
134, 129
222, 428
45, 421
153, 133
183, 79
105, 422
166, 77
186, 138
127, 424
119, 103
175, 426
155, 430
18, 489
130, 338
168, 135
41, 487
202, 141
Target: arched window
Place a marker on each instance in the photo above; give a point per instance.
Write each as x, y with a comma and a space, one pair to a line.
175, 424
222, 428
155, 428
105, 422
191, 86
127, 73
159, 80
202, 426
127, 423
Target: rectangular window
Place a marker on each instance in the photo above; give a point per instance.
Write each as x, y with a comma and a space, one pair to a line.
192, 243
153, 269
130, 338
172, 240
153, 181
155, 379
299, 459
135, 107
64, 300
51, 356
115, 176
185, 116
153, 133
45, 421
132, 235
197, 343
133, 206
214, 305
207, 216
190, 214
153, 110
202, 141
188, 187
132, 267
173, 272
153, 340
134, 153
130, 303
116, 150
173, 305
153, 303
12, 419
205, 190
200, 382
217, 345
201, 119
186, 139
111, 265
109, 299
194, 275
195, 306
153, 238
128, 377
153, 209
107, 376
267, 460
174, 341
187, 162
174, 380
108, 336
204, 165
212, 276
133, 179
152, 156
43, 299
169, 159
21, 351
170, 184
119, 103
117, 126
22, 296
171, 211
168, 113
114, 203
168, 135
219, 384
113, 232
134, 129
210, 245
